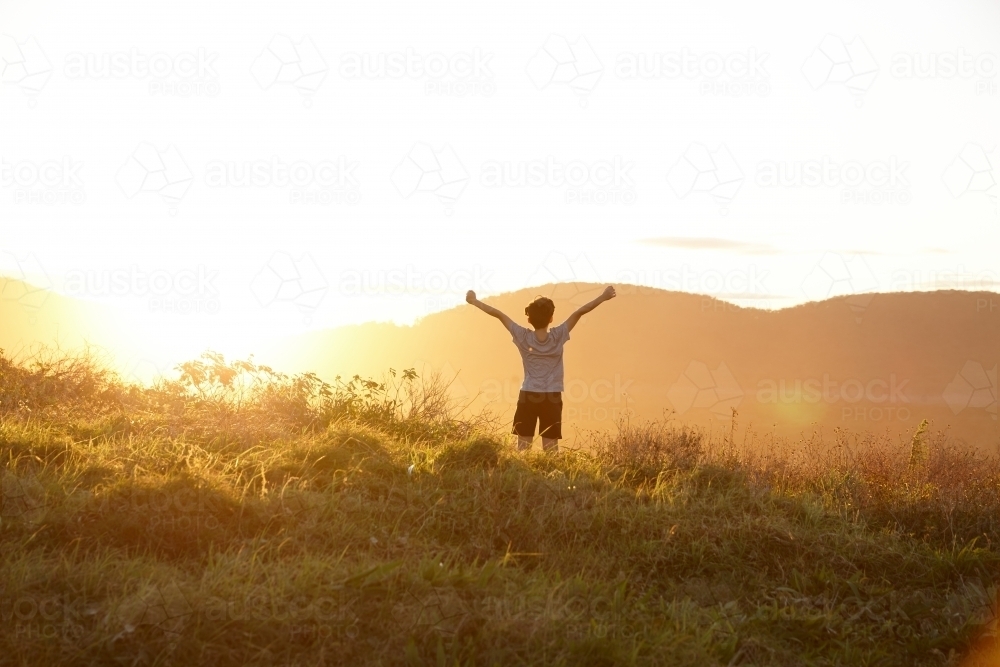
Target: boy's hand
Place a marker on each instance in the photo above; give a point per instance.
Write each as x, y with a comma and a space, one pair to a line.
470, 297
609, 293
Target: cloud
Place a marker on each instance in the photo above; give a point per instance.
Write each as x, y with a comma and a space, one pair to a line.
712, 244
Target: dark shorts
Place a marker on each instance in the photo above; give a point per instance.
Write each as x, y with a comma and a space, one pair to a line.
544, 407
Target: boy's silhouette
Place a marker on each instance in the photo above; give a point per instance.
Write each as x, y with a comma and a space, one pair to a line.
540, 398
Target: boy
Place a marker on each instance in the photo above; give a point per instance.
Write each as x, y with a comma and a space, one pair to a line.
540, 398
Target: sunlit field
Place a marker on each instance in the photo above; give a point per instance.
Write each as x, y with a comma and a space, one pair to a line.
234, 515
500, 334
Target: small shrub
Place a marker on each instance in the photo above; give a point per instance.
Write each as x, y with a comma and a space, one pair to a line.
648, 447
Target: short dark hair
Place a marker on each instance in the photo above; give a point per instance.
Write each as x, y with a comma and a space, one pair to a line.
540, 311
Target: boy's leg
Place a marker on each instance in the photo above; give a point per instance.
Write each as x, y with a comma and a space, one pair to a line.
550, 422
525, 418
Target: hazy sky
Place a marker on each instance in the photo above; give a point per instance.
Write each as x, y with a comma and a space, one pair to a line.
243, 169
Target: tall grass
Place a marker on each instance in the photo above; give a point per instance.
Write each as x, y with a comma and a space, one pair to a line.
237, 515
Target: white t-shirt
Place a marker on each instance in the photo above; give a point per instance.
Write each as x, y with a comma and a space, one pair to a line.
543, 362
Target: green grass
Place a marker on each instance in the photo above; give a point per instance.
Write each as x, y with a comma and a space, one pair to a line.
239, 516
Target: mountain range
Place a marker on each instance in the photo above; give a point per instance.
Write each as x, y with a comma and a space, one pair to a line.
880, 362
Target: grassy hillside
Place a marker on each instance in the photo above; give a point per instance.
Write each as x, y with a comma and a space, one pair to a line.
236, 515
828, 365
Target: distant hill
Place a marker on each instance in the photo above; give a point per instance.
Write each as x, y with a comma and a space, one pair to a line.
32, 318
884, 361
30, 315
876, 362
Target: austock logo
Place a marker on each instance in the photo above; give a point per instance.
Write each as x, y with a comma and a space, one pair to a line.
32, 616
871, 182
457, 74
974, 386
564, 277
140, 370
325, 182
598, 182
48, 182
904, 280
188, 74
447, 375
701, 387
411, 281
166, 609
966, 65
24, 64
150, 171
975, 170
706, 172
592, 400
178, 510
289, 63
876, 400
185, 291
842, 274
571, 64
839, 63
23, 497
734, 74
27, 283
426, 171
285, 279
743, 286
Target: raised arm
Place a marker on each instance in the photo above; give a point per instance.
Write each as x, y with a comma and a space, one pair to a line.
607, 295
470, 297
